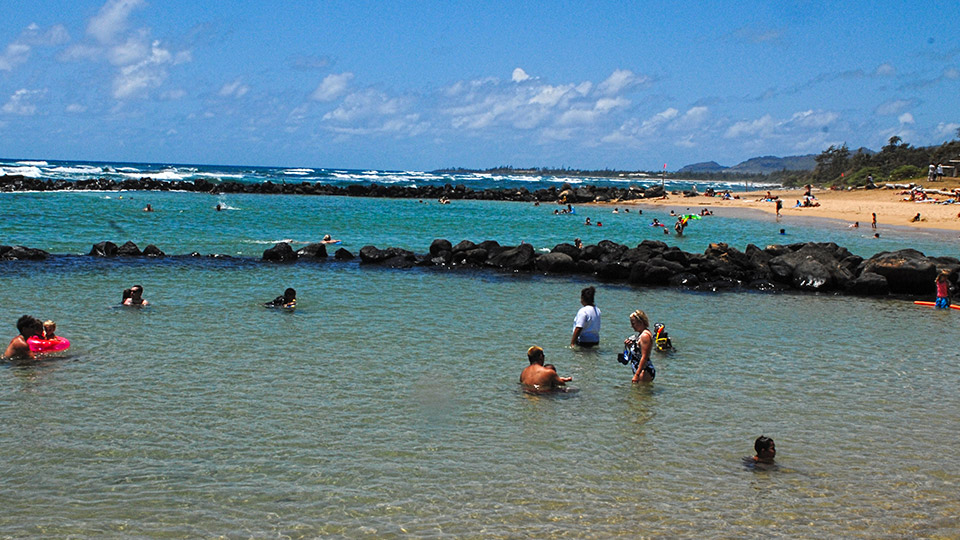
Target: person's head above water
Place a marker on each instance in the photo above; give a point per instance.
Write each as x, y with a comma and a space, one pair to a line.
535, 355
638, 317
587, 295
29, 326
136, 291
289, 295
49, 329
765, 448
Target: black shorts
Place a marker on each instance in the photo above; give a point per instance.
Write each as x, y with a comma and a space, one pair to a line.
587, 344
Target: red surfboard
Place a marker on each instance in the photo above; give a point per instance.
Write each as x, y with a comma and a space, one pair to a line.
933, 304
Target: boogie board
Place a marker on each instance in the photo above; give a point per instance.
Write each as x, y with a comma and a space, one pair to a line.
933, 304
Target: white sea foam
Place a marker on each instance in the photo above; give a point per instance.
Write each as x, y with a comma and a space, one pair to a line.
31, 172
80, 169
127, 169
287, 240
162, 175
218, 175
298, 172
33, 163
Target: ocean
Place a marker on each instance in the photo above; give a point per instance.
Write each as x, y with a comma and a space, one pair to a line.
387, 403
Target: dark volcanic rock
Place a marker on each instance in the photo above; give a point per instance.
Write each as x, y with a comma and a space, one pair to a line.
439, 246
342, 255
869, 284
907, 271
556, 263
281, 252
23, 253
313, 251
814, 267
570, 250
153, 251
103, 249
129, 249
515, 258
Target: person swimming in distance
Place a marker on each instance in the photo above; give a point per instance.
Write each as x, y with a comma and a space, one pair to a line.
148, 208
135, 298
766, 451
18, 348
219, 207
539, 377
328, 240
287, 300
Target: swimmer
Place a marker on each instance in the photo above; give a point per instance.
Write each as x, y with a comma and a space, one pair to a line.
766, 450
783, 231
49, 330
539, 377
219, 207
577, 243
148, 208
587, 222
135, 297
854, 225
328, 240
616, 211
876, 235
18, 348
287, 300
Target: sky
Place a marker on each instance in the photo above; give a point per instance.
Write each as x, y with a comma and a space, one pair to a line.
422, 85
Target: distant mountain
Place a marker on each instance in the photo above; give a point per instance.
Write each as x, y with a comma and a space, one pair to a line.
761, 165
703, 166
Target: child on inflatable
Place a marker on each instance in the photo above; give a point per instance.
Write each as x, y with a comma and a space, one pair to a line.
50, 341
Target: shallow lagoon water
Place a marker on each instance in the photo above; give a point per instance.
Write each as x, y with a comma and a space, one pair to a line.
387, 403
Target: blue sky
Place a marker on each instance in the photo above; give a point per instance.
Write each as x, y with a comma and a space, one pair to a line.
424, 85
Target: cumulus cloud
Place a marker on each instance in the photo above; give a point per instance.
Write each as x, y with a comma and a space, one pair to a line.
332, 87
111, 20
234, 89
20, 104
18, 51
760, 127
519, 75
618, 81
895, 107
947, 130
905, 118
365, 105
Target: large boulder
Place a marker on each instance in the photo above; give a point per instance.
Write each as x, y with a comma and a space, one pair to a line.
129, 249
281, 252
570, 250
23, 253
440, 246
343, 254
556, 263
907, 271
153, 251
514, 258
814, 267
313, 251
868, 284
103, 249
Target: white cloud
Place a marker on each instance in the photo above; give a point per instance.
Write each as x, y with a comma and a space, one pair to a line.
607, 104
947, 129
76, 108
332, 87
951, 73
894, 107
692, 119
551, 96
18, 51
136, 79
111, 20
619, 81
234, 89
748, 128
813, 119
365, 105
173, 95
519, 75
886, 70
905, 118
19, 103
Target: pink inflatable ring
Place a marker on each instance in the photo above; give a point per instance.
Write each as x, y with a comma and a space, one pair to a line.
40, 345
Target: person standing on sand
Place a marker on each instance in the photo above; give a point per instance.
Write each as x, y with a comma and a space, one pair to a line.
18, 348
539, 377
586, 325
779, 207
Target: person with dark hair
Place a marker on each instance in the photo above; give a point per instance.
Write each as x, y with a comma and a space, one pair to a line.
136, 297
18, 348
766, 450
586, 325
540, 377
124, 297
287, 300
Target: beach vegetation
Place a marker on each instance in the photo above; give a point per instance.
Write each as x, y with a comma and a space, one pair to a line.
906, 172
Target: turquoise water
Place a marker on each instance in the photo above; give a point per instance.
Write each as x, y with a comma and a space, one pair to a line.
387, 404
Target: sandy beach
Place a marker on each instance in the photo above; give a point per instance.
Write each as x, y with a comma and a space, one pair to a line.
850, 206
